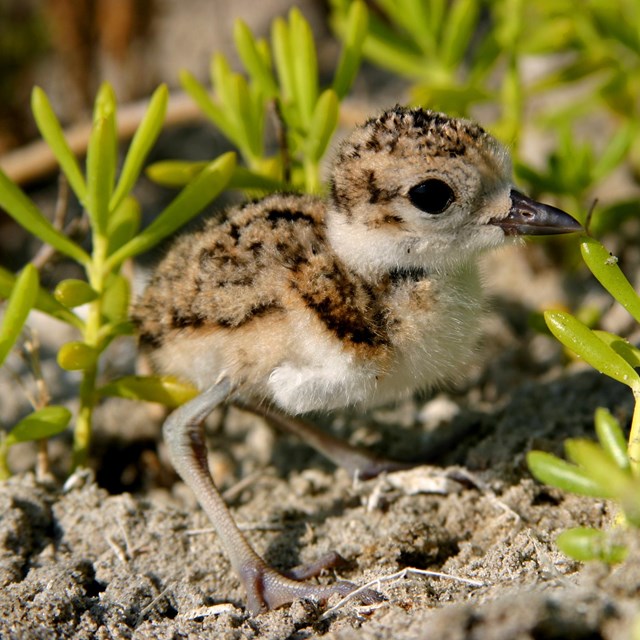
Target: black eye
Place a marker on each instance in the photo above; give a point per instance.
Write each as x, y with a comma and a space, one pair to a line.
431, 196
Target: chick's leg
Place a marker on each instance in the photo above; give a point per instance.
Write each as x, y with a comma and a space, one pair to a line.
357, 461
265, 587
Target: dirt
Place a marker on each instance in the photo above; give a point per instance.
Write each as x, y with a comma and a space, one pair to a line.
81, 562
123, 550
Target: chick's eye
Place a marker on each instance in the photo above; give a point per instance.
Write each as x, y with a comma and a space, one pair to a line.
431, 196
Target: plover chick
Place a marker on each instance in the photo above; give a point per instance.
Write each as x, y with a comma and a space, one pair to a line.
300, 303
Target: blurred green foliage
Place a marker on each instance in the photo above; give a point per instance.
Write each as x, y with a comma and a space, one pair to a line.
567, 71
610, 469
114, 220
282, 80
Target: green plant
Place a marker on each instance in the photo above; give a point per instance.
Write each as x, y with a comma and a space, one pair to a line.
114, 221
45, 421
602, 66
447, 54
575, 167
463, 54
610, 470
282, 77
308, 118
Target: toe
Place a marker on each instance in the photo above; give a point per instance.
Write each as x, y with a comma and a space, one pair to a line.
267, 589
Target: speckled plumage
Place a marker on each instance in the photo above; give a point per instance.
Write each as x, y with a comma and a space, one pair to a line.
265, 291
265, 256
303, 303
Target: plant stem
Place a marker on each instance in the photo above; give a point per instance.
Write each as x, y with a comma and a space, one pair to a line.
634, 437
5, 472
311, 177
82, 432
96, 277
32, 347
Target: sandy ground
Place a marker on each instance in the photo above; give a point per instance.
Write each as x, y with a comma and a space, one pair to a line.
123, 551
79, 562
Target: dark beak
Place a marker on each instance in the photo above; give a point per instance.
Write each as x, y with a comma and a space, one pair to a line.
530, 218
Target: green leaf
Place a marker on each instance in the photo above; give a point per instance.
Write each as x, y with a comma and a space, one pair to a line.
435, 15
104, 105
604, 267
110, 331
74, 293
206, 104
101, 158
580, 339
243, 117
177, 173
188, 203
353, 39
224, 81
566, 75
250, 180
422, 21
323, 124
551, 37
556, 472
21, 301
26, 214
450, 96
174, 173
264, 51
44, 300
485, 56
611, 437
123, 224
116, 298
51, 131
283, 58
305, 65
621, 346
599, 466
586, 544
413, 22
163, 389
630, 503
253, 60
393, 51
77, 356
250, 111
458, 31
44, 423
144, 138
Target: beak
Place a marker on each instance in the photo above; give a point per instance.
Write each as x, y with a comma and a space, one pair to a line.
530, 218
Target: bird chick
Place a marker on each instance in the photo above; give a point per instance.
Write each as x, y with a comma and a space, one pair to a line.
300, 304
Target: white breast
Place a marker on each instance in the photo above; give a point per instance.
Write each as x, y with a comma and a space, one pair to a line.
445, 338
296, 363
439, 344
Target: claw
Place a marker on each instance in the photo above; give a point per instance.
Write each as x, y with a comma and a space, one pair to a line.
267, 589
